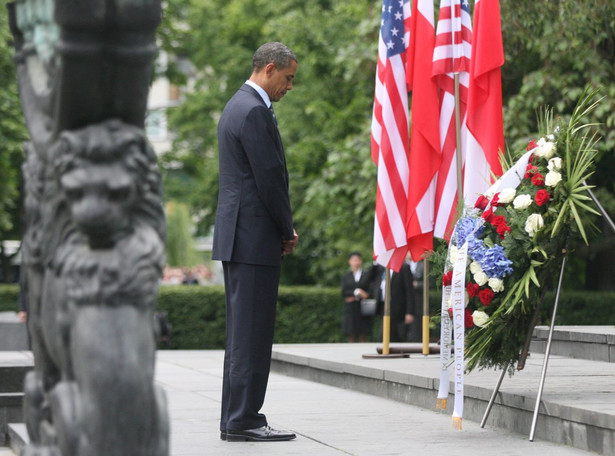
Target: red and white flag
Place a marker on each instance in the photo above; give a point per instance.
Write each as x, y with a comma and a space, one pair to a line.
425, 135
485, 139
451, 56
390, 135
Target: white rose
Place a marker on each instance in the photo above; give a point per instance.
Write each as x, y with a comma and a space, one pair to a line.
453, 251
480, 278
533, 224
522, 202
480, 318
546, 149
552, 178
496, 284
475, 267
555, 164
507, 195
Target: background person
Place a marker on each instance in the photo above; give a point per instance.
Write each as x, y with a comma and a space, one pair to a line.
355, 286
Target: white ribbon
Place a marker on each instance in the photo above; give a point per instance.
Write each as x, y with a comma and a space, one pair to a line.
458, 295
446, 333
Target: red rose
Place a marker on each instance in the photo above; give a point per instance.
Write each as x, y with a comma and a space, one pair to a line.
530, 171
481, 202
485, 295
498, 220
532, 145
502, 229
542, 197
447, 278
469, 321
473, 289
488, 215
495, 200
538, 179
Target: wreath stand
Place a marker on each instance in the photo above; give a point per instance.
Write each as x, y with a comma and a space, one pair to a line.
525, 351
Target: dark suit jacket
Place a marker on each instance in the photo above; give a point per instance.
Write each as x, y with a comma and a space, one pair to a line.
254, 212
403, 300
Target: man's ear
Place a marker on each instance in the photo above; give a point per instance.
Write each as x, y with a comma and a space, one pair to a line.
269, 69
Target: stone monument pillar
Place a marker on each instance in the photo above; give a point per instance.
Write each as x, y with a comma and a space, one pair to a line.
93, 250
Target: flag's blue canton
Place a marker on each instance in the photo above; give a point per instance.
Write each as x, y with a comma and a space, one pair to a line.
465, 5
392, 26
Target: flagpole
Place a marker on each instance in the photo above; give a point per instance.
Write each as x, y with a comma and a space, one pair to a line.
458, 144
425, 307
386, 319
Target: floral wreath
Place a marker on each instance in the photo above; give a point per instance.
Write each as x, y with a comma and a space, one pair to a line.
516, 236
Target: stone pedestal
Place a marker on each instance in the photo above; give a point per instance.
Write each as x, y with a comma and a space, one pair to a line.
13, 333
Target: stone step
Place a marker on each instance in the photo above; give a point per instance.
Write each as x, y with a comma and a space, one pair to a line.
17, 436
13, 367
595, 343
13, 332
576, 408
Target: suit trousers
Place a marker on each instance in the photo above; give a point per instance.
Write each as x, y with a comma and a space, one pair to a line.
251, 298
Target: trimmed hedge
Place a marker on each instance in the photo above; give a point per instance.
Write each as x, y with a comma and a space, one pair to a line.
313, 314
9, 297
197, 315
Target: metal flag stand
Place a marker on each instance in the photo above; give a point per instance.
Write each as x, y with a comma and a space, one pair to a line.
386, 324
549, 338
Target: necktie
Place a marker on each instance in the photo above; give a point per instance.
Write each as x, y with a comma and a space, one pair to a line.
273, 114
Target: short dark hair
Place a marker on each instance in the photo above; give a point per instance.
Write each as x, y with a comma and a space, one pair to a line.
355, 253
273, 52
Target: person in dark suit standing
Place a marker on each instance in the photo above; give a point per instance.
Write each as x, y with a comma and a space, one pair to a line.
355, 287
253, 231
403, 301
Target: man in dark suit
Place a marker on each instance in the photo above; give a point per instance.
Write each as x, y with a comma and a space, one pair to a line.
253, 230
403, 300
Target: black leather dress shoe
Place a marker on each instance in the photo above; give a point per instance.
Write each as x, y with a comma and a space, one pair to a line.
261, 434
222, 435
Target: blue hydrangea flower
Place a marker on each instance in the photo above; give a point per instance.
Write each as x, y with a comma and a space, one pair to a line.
495, 263
465, 227
476, 246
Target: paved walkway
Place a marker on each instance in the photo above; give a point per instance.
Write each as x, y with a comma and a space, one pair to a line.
327, 420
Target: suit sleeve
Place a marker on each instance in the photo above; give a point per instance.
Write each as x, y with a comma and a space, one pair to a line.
348, 285
263, 147
406, 274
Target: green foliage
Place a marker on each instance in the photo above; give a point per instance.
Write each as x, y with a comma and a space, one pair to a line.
9, 298
324, 121
197, 315
179, 243
12, 134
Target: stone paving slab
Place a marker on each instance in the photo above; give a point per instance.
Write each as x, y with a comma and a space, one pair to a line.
329, 421
578, 398
595, 343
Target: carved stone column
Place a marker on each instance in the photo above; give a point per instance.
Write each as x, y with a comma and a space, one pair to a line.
93, 250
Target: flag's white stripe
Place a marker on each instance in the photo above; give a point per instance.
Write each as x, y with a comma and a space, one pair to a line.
396, 221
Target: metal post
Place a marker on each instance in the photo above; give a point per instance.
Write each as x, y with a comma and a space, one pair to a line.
493, 395
458, 145
604, 214
386, 319
548, 348
425, 307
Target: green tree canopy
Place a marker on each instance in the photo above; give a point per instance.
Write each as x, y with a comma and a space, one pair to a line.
553, 50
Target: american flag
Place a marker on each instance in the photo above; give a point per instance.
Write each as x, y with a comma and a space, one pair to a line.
390, 135
452, 55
